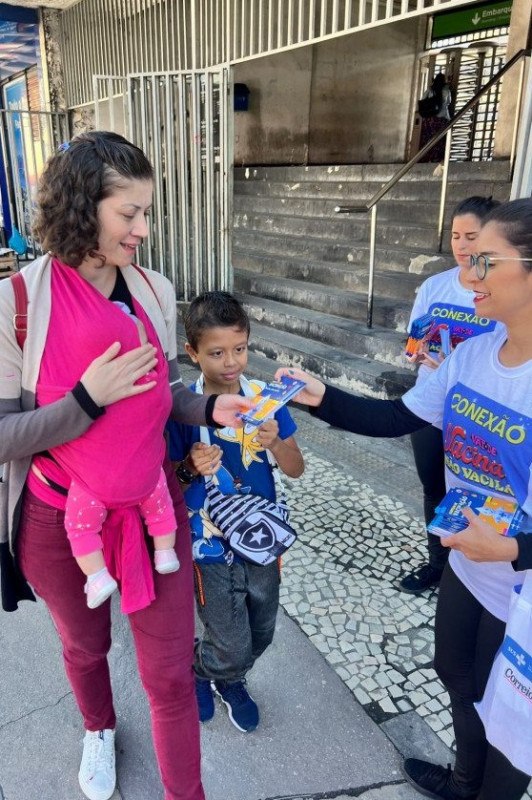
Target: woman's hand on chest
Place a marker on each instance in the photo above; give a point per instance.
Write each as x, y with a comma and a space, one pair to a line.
112, 377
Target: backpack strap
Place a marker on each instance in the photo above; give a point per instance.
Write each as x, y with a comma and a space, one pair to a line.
20, 319
141, 272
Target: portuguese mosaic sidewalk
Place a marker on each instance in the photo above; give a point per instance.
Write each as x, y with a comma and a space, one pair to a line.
340, 581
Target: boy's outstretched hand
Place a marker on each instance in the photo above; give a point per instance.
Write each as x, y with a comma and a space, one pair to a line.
268, 433
312, 394
285, 451
205, 458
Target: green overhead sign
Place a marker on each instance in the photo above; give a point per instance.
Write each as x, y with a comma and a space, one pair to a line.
473, 18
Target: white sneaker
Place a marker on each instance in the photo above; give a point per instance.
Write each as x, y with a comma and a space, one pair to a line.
97, 772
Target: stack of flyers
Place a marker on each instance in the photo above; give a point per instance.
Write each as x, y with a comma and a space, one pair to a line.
274, 395
502, 513
420, 330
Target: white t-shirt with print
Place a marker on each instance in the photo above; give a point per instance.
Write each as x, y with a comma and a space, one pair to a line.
485, 412
450, 303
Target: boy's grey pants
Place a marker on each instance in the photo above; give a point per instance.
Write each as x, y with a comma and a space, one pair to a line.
237, 605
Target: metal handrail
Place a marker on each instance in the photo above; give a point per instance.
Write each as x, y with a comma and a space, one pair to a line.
371, 205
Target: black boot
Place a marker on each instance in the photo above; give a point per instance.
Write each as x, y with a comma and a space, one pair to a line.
421, 579
432, 780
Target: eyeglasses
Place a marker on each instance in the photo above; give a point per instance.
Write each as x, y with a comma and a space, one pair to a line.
482, 263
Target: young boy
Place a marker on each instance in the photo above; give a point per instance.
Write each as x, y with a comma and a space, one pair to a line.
236, 599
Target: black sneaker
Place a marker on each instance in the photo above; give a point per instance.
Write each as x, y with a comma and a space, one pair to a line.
205, 699
242, 709
421, 579
432, 780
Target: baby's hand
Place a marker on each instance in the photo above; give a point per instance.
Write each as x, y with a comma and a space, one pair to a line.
268, 434
205, 458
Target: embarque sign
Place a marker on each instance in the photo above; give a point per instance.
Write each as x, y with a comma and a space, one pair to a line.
472, 18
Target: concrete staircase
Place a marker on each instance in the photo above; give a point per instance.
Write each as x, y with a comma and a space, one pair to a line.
302, 270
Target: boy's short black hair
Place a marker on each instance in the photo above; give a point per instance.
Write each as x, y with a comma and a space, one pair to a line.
213, 310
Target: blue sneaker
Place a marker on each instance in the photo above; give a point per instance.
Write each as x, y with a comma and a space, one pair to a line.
205, 699
242, 709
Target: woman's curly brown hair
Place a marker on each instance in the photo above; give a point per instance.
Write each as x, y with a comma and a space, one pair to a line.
73, 184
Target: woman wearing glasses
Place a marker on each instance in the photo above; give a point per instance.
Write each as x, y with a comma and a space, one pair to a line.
449, 299
481, 398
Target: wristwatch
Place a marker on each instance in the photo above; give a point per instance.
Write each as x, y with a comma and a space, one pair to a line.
184, 474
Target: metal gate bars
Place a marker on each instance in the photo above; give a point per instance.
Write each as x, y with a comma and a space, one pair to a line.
182, 121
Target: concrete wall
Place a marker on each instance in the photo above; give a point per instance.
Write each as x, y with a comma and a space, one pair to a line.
342, 101
275, 130
360, 97
520, 25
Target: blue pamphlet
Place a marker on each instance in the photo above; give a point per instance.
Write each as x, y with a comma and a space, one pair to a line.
274, 395
502, 513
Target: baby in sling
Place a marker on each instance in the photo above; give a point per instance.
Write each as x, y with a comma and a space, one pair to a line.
115, 468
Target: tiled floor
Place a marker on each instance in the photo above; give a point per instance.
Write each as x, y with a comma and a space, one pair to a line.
340, 584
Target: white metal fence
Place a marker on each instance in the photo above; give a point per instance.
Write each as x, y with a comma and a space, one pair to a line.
118, 37
182, 121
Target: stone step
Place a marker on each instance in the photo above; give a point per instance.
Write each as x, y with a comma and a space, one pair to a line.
351, 229
420, 262
389, 211
396, 211
341, 367
353, 193
352, 277
330, 300
378, 343
493, 170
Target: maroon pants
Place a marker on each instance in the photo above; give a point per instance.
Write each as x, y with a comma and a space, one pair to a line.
163, 635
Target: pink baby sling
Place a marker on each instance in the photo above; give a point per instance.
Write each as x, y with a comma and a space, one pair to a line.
118, 459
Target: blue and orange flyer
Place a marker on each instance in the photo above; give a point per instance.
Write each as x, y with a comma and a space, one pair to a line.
274, 395
420, 331
502, 513
425, 332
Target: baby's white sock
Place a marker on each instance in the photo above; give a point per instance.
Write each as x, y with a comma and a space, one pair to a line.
91, 578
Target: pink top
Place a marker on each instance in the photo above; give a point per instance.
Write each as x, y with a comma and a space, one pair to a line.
118, 459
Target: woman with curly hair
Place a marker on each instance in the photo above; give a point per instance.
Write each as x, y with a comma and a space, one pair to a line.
82, 414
